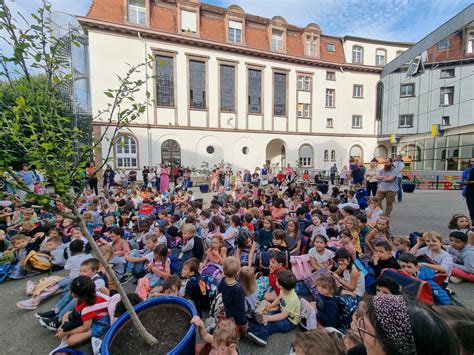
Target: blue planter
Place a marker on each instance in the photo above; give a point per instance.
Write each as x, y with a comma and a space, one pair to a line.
185, 346
408, 187
204, 188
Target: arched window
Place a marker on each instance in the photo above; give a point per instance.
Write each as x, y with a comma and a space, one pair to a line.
333, 155
171, 152
357, 153
357, 55
379, 101
306, 156
326, 155
126, 155
380, 57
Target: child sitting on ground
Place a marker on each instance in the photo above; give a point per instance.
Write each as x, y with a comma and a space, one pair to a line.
463, 255
383, 258
288, 317
193, 246
171, 287
442, 260
320, 256
346, 241
137, 260
402, 244
158, 271
373, 212
277, 263
58, 252
249, 285
217, 252
94, 322
191, 290
232, 294
386, 286
119, 245
223, 341
326, 304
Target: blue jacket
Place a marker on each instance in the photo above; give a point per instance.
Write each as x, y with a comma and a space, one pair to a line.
465, 176
440, 296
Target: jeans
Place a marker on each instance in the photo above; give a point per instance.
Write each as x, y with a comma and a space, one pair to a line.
66, 304
332, 176
135, 267
470, 204
390, 197
93, 185
264, 331
400, 191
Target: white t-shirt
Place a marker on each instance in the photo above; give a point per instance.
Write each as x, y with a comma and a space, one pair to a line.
231, 230
375, 215
322, 260
443, 259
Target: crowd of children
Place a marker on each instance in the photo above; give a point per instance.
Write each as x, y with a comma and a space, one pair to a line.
255, 261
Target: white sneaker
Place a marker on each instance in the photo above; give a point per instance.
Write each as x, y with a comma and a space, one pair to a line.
96, 344
30, 286
28, 304
455, 280
63, 345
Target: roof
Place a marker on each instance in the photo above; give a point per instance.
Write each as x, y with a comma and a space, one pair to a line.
378, 41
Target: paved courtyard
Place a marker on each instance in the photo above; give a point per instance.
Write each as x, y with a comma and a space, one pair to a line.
420, 211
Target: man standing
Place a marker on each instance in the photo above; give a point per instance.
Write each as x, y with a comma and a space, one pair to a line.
399, 166
388, 186
358, 174
332, 173
468, 187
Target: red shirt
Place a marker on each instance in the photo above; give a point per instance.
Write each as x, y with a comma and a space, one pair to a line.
249, 226
94, 314
272, 280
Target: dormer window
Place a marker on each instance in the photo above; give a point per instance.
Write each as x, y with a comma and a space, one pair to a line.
188, 21
311, 48
380, 57
277, 40
137, 12
235, 32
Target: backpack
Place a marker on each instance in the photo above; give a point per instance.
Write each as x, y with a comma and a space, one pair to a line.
5, 271
347, 306
308, 319
411, 286
301, 266
208, 286
215, 271
108, 306
216, 313
38, 261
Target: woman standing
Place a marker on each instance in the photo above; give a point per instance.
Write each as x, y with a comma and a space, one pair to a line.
371, 176
164, 178
109, 177
343, 175
186, 178
92, 177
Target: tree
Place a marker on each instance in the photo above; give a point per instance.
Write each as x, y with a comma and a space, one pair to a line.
39, 129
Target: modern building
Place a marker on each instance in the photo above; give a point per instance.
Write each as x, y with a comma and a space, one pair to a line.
427, 99
236, 88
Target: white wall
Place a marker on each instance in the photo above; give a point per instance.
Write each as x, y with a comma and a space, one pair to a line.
370, 51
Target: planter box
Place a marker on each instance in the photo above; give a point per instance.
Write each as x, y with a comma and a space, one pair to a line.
185, 346
408, 187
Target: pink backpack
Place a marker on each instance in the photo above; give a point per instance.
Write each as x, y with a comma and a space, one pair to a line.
301, 266
107, 307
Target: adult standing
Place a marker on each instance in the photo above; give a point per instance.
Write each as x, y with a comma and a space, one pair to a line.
332, 173
132, 177
158, 178
358, 174
145, 173
468, 187
123, 176
388, 186
28, 178
175, 172
109, 177
164, 178
289, 171
91, 175
343, 175
399, 166
371, 178
186, 178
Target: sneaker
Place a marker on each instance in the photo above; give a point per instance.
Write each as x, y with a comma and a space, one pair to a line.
126, 278
28, 304
450, 292
45, 315
455, 280
51, 323
96, 344
256, 340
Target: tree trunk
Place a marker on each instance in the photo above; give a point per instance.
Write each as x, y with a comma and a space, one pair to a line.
149, 339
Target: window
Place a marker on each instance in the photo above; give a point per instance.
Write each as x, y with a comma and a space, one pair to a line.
255, 91
210, 149
171, 152
399, 52
445, 121
306, 156
126, 152
407, 90
304, 111
330, 75
197, 84
444, 44
235, 32
164, 81
227, 86
379, 101
304, 83
356, 121
331, 47
326, 155
358, 91
380, 55
329, 122
447, 95
188, 21
406, 121
277, 40
137, 12
357, 53
311, 46
330, 97
447, 73
470, 42
279, 94
333, 155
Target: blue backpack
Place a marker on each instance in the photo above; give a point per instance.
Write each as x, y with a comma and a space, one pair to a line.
5, 271
369, 275
347, 306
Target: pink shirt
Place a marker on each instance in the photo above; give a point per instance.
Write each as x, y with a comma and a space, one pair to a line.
121, 247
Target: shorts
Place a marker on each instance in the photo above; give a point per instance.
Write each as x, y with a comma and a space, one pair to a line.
100, 326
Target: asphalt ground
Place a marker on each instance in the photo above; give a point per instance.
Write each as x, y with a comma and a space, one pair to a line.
21, 334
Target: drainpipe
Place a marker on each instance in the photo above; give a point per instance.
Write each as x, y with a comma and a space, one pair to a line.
148, 131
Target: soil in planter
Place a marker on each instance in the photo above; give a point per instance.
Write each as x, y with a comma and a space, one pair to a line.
168, 324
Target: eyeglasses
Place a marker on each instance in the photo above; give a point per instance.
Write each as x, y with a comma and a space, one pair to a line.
362, 331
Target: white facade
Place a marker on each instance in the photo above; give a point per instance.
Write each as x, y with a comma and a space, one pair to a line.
229, 133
